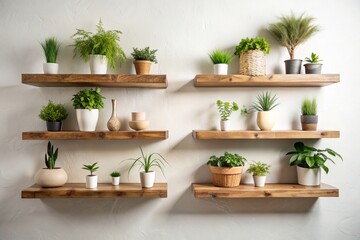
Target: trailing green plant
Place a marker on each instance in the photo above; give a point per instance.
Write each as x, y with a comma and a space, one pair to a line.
258, 169
53, 112
310, 157
309, 106
226, 108
51, 156
227, 160
51, 48
291, 31
314, 58
220, 57
247, 44
101, 43
265, 102
88, 99
115, 174
91, 167
244, 111
144, 54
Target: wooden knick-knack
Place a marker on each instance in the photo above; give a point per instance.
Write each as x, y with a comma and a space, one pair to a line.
113, 124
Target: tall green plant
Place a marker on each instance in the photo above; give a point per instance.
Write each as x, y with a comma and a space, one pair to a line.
51, 156
265, 102
144, 54
247, 44
220, 57
51, 48
88, 99
309, 106
53, 112
226, 108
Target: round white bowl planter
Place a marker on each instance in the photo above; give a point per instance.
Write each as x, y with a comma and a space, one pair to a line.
98, 64
308, 176
91, 181
221, 68
87, 119
266, 120
51, 68
259, 181
115, 181
147, 179
46, 177
225, 125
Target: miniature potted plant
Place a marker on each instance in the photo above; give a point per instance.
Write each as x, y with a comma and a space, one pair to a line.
101, 48
252, 55
291, 31
259, 171
53, 114
91, 180
87, 103
308, 161
115, 178
313, 66
221, 60
51, 48
309, 119
265, 117
226, 170
51, 176
143, 59
225, 110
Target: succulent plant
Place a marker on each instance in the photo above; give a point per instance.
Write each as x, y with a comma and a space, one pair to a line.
51, 156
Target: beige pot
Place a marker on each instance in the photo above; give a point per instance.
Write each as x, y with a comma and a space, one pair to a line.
226, 176
266, 120
142, 67
56, 177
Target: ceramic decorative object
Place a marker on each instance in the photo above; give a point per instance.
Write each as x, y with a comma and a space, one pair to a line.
138, 116
259, 181
91, 181
224, 125
221, 69
308, 176
113, 124
138, 121
56, 177
266, 120
142, 67
98, 64
309, 122
51, 68
115, 181
147, 179
87, 119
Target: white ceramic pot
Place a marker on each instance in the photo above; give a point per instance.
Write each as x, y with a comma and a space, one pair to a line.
147, 179
266, 120
87, 119
308, 176
221, 68
224, 125
98, 64
51, 68
91, 181
259, 181
115, 181
138, 116
56, 177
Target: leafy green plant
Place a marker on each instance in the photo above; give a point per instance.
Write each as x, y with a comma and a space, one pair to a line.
291, 31
310, 157
226, 108
247, 44
218, 57
227, 160
51, 48
314, 58
265, 102
53, 112
115, 174
259, 169
144, 54
101, 43
309, 107
51, 156
88, 99
91, 167
244, 111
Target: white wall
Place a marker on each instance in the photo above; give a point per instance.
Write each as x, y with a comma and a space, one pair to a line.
184, 32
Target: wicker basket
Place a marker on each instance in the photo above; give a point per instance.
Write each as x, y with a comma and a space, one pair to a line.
225, 176
253, 63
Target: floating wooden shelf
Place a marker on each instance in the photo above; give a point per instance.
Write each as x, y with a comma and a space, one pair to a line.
271, 190
96, 135
104, 190
95, 80
273, 80
253, 134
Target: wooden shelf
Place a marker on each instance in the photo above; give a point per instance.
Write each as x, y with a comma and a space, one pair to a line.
104, 190
95, 80
271, 190
273, 80
96, 135
253, 134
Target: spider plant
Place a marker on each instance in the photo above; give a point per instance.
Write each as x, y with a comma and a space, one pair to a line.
220, 57
265, 102
51, 48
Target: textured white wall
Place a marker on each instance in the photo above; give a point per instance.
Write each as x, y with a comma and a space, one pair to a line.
184, 32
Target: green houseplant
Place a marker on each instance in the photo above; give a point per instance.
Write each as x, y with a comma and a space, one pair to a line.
309, 119
143, 59
259, 171
53, 114
221, 60
92, 179
225, 110
265, 103
313, 65
115, 178
51, 48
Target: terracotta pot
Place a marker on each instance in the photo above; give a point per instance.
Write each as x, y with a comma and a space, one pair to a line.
56, 177
226, 176
266, 120
113, 124
308, 176
147, 179
142, 67
309, 122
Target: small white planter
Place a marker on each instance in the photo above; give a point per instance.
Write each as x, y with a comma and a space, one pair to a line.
225, 125
266, 120
87, 119
98, 64
221, 69
91, 181
259, 181
308, 176
115, 181
51, 68
147, 179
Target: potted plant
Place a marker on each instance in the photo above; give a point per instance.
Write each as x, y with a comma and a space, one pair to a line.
221, 60
101, 48
226, 170
143, 59
309, 119
51, 48
53, 114
115, 178
225, 110
87, 103
91, 180
313, 66
265, 117
259, 171
291, 31
252, 55
308, 161
51, 176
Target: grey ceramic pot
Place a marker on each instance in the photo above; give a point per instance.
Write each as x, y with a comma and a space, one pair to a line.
54, 126
309, 122
313, 68
293, 66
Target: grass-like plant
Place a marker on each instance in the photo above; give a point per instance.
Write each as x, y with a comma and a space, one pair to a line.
220, 57
265, 102
227, 160
51, 48
258, 169
314, 58
226, 108
115, 174
247, 44
91, 167
51, 156
144, 54
53, 112
101, 43
292, 30
88, 99
309, 106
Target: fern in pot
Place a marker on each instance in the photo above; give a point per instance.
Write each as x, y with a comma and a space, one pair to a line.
221, 60
265, 104
53, 114
259, 171
309, 119
225, 111
143, 59
51, 48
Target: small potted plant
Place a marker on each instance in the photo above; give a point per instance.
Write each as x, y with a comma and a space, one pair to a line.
265, 117
308, 161
226, 170
51, 48
143, 59
115, 178
225, 110
54, 115
313, 65
252, 55
51, 176
309, 119
91, 180
221, 60
101, 48
87, 103
259, 171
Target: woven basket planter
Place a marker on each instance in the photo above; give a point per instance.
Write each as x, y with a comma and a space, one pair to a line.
252, 63
226, 176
